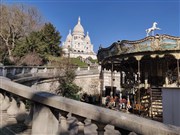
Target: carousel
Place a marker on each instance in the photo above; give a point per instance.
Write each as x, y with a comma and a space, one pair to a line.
145, 66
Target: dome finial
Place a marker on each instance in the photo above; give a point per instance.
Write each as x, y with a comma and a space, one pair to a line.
79, 20
69, 31
87, 33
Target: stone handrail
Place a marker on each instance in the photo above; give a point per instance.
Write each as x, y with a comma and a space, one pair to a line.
24, 70
98, 115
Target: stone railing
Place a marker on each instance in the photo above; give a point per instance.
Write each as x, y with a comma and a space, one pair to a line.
9, 71
50, 112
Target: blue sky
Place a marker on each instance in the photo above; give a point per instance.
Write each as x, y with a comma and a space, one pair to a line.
110, 20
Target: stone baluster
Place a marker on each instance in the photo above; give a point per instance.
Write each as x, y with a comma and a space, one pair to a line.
132, 133
12, 112
1, 98
100, 128
55, 71
14, 71
45, 70
63, 126
23, 70
4, 104
45, 120
80, 124
21, 116
4, 71
28, 120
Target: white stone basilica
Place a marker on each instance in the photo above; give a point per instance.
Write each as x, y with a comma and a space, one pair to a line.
77, 44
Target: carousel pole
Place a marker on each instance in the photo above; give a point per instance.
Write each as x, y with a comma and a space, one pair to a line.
139, 94
138, 58
177, 56
102, 85
178, 72
112, 68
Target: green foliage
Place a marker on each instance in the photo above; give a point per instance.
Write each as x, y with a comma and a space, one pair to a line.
44, 42
93, 61
78, 62
67, 87
52, 38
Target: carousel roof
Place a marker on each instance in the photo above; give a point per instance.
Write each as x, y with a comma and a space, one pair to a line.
158, 44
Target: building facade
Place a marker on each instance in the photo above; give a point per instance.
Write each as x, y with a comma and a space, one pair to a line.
77, 44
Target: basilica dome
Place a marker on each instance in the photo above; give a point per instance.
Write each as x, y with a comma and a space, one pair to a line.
78, 29
69, 36
87, 38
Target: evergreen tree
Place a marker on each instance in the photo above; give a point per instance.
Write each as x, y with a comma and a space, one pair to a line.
43, 43
66, 77
51, 37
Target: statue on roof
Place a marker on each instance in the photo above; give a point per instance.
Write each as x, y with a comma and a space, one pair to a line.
152, 29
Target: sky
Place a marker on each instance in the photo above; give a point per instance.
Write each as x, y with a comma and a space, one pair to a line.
108, 21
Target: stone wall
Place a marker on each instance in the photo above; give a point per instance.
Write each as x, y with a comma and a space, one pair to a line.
90, 84
88, 80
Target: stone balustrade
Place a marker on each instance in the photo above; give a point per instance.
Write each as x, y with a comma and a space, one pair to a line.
9, 71
49, 113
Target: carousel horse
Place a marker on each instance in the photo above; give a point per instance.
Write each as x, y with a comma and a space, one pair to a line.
148, 31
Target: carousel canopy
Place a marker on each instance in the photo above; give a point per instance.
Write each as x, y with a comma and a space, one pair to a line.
151, 45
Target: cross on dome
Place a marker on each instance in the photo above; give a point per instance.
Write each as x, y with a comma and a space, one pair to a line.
70, 31
79, 20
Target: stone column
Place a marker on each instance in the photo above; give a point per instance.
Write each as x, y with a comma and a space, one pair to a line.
45, 120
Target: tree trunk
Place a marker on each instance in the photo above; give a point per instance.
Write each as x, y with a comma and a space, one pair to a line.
11, 58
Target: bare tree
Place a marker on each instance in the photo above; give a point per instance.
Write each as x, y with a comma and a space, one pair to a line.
17, 21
